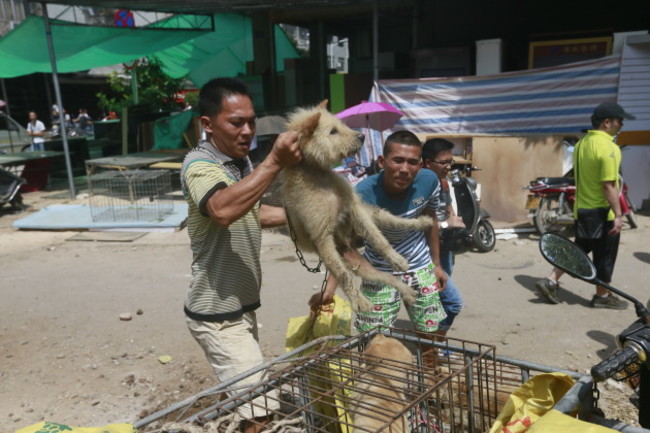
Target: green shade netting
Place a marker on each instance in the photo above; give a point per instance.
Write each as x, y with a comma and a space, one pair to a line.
168, 131
24, 50
221, 53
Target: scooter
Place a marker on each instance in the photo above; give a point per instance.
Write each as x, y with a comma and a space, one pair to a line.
629, 363
468, 207
551, 202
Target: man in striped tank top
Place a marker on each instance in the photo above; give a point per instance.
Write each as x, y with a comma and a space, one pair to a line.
224, 225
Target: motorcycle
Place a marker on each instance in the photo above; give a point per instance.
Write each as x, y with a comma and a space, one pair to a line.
551, 202
468, 207
629, 363
10, 190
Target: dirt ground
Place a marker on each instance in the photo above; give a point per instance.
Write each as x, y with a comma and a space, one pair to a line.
67, 357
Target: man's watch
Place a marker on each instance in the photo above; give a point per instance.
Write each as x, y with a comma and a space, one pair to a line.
444, 225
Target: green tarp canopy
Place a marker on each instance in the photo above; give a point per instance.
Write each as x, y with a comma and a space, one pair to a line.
221, 53
198, 54
77, 48
168, 131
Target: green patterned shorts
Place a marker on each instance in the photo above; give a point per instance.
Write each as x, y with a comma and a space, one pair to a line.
425, 314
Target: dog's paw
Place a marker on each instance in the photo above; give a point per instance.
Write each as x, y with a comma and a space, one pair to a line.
363, 304
397, 262
407, 292
424, 222
408, 295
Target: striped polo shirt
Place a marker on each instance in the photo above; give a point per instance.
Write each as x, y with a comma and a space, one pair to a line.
226, 274
411, 244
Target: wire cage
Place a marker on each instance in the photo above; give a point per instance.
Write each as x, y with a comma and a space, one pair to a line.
338, 389
132, 195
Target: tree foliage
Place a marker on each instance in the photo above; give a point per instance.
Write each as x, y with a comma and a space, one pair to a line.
155, 89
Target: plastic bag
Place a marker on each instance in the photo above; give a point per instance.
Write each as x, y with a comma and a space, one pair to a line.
52, 427
531, 401
555, 421
333, 319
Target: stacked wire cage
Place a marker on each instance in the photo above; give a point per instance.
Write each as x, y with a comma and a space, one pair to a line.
130, 196
316, 391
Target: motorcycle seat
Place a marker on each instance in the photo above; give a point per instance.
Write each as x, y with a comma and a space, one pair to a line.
556, 181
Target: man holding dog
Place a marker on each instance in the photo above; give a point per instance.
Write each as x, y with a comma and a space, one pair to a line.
224, 225
406, 191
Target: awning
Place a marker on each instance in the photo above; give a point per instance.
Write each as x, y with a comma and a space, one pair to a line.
220, 53
24, 50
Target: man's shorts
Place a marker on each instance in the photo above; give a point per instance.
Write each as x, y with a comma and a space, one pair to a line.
425, 314
604, 251
232, 348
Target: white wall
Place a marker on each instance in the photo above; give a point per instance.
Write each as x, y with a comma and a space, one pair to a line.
636, 172
634, 82
634, 97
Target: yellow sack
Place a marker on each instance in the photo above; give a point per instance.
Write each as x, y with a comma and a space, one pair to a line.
531, 401
555, 421
52, 427
334, 319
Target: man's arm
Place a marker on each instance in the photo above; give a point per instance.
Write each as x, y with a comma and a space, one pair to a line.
272, 216
355, 260
35, 132
227, 205
454, 220
433, 239
611, 195
319, 299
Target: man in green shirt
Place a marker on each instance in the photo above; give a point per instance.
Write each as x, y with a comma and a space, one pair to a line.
597, 210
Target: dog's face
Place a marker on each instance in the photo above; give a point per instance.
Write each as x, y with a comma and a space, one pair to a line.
388, 348
324, 139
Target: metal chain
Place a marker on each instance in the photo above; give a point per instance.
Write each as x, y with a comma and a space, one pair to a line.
314, 270
596, 395
292, 233
309, 336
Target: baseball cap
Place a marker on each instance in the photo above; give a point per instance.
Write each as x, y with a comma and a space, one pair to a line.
609, 110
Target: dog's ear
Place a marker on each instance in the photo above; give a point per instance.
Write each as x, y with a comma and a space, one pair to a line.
309, 126
323, 104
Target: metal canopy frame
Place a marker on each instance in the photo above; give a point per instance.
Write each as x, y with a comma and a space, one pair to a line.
213, 6
59, 101
199, 7
200, 22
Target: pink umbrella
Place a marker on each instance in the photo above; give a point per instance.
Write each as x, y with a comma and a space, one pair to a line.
373, 115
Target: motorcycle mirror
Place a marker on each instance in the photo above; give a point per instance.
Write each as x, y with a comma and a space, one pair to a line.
564, 254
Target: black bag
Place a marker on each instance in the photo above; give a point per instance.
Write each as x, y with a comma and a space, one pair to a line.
455, 239
591, 223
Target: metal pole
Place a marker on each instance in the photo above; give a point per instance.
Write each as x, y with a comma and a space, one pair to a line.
134, 83
59, 102
322, 58
272, 54
13, 11
375, 41
4, 96
6, 99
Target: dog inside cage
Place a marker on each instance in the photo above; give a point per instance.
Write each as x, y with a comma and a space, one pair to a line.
374, 382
